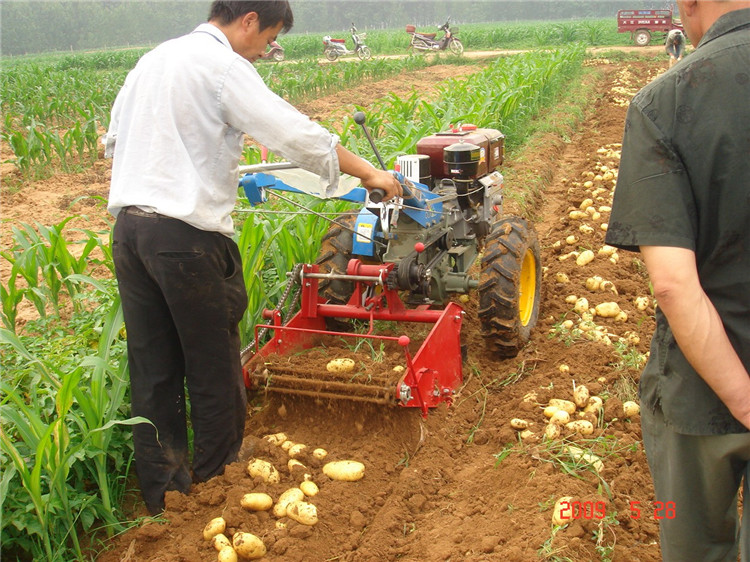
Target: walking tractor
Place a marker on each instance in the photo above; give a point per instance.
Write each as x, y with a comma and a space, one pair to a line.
406, 262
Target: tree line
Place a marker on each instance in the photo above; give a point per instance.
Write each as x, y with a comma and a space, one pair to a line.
74, 25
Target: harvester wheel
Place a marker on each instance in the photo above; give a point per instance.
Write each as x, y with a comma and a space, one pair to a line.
335, 253
509, 286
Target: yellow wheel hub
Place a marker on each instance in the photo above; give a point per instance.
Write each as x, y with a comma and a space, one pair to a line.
527, 287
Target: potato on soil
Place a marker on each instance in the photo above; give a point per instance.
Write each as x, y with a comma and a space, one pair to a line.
227, 554
214, 527
630, 408
518, 423
560, 417
220, 541
248, 546
581, 396
561, 513
296, 450
263, 469
566, 405
303, 512
591, 459
309, 488
346, 471
607, 309
276, 438
319, 453
341, 365
552, 431
286, 499
256, 501
582, 427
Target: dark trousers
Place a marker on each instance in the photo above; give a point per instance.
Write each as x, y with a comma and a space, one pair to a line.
182, 297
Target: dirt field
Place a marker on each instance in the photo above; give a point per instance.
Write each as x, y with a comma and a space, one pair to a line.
460, 485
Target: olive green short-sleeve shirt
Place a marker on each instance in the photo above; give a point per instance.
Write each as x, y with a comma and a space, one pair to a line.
684, 181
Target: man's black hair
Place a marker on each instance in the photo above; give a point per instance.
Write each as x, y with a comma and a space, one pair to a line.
270, 12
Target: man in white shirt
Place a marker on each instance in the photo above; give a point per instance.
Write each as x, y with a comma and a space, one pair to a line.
176, 135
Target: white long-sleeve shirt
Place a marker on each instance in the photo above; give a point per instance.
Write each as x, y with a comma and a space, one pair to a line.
177, 125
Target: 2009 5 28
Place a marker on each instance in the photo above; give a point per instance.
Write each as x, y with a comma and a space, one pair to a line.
571, 510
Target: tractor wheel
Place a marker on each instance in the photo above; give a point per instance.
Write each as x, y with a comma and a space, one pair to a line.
331, 54
364, 53
335, 253
642, 37
509, 286
456, 47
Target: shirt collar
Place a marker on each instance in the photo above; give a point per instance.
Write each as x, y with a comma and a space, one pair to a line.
726, 24
213, 31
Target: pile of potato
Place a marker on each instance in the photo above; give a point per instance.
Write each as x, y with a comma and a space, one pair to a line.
577, 416
294, 503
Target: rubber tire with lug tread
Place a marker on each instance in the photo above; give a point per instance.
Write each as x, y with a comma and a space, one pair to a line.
331, 54
509, 286
364, 53
335, 253
642, 37
456, 47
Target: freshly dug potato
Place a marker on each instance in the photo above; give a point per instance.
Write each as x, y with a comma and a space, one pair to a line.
641, 303
561, 277
286, 445
341, 365
214, 527
220, 541
303, 512
585, 257
264, 469
248, 546
309, 488
594, 406
549, 411
589, 458
561, 513
582, 427
296, 450
227, 554
552, 431
526, 434
518, 423
319, 453
566, 405
630, 408
561, 417
256, 501
564, 369
286, 499
347, 471
276, 438
592, 283
581, 396
607, 309
294, 463
581, 305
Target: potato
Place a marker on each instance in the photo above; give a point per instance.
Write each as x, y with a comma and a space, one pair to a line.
607, 250
303, 512
607, 309
567, 324
220, 541
296, 450
560, 417
286, 445
577, 215
581, 396
608, 286
530, 397
276, 438
594, 405
581, 305
319, 453
591, 459
564, 369
549, 411
280, 525
518, 423
586, 203
572, 299
552, 431
347, 471
341, 365
248, 546
630, 408
582, 427
264, 469
256, 501
309, 488
526, 434
561, 277
585, 229
227, 554
566, 405
587, 256
593, 283
398, 369
286, 499
641, 303
214, 527
571, 240
562, 512
294, 463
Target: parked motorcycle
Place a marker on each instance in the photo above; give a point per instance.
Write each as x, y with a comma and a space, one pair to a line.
335, 48
427, 41
274, 52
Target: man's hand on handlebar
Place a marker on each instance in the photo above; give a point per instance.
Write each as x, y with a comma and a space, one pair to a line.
385, 181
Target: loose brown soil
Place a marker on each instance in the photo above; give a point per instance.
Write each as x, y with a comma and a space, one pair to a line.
460, 485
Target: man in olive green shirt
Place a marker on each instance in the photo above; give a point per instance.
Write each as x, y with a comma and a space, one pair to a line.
683, 199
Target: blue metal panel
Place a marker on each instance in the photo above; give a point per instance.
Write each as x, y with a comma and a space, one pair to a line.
366, 226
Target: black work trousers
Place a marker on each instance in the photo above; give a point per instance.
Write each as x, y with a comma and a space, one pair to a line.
183, 297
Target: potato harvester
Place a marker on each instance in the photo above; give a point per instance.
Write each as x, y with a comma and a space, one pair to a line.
402, 261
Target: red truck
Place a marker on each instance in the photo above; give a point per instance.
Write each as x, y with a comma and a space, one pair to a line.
643, 23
